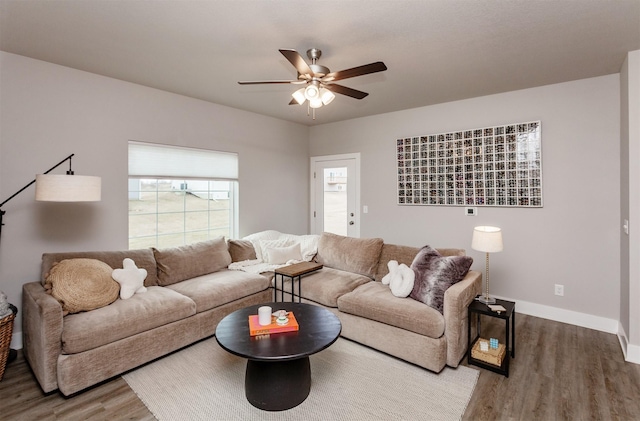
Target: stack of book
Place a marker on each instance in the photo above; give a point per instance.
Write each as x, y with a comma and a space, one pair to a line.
256, 328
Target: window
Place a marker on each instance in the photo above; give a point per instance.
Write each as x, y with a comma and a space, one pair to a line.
180, 195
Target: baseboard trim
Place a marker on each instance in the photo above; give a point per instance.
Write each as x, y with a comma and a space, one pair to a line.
633, 354
589, 321
622, 338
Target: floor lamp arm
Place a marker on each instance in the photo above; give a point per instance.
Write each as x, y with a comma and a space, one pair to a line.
33, 181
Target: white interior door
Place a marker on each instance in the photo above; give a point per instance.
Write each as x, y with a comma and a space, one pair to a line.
335, 194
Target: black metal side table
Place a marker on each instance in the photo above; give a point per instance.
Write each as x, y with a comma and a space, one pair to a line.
509, 316
293, 271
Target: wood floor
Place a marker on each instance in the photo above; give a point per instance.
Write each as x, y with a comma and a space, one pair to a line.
561, 372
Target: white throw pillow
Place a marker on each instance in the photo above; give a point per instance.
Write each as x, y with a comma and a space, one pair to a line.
281, 255
308, 244
262, 236
264, 245
131, 279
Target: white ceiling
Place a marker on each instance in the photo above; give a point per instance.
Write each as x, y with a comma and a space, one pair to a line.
435, 50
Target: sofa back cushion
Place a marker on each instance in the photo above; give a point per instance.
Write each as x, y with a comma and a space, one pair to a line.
185, 262
241, 250
405, 254
357, 255
143, 259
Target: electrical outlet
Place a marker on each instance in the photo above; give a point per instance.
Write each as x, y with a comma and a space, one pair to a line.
559, 290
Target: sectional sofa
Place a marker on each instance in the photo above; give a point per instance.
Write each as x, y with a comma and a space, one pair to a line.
190, 289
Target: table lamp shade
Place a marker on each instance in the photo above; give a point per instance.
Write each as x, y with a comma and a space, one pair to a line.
68, 188
487, 239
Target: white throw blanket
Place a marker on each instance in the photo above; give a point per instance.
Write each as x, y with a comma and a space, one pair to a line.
261, 241
257, 266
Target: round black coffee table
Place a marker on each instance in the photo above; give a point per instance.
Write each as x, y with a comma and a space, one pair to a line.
278, 374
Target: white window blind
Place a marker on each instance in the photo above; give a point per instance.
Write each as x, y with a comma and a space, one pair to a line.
154, 160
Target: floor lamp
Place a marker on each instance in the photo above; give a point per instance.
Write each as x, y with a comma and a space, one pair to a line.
489, 240
62, 188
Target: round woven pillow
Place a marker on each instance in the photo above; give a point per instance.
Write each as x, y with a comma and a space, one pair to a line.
82, 284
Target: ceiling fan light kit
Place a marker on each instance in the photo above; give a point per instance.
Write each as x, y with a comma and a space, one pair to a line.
299, 97
312, 92
319, 89
327, 96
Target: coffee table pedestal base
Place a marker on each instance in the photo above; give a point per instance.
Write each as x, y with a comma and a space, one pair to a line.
277, 385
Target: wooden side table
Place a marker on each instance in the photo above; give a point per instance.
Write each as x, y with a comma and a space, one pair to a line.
509, 316
293, 272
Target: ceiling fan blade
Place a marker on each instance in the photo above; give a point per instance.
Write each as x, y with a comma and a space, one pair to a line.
298, 62
339, 89
366, 69
258, 82
293, 102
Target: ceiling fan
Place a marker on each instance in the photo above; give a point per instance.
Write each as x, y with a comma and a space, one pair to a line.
318, 80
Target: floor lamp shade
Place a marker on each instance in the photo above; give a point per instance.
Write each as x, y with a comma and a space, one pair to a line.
68, 188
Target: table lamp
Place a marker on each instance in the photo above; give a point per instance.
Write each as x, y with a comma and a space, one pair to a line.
489, 240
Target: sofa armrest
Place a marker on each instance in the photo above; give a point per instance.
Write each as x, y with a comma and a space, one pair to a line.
42, 333
456, 300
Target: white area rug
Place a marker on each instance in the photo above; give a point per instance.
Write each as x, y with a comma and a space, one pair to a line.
348, 382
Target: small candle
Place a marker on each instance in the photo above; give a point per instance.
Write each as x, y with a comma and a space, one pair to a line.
264, 315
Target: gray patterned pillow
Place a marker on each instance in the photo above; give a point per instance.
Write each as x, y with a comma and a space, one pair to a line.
435, 274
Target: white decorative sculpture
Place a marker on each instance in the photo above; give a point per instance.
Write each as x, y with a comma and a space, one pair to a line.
400, 279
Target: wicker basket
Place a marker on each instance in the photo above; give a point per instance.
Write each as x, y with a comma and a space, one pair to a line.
6, 330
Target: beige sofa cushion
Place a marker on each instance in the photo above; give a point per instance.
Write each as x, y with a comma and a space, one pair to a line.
143, 258
402, 254
375, 301
357, 255
241, 250
123, 318
179, 263
326, 285
218, 288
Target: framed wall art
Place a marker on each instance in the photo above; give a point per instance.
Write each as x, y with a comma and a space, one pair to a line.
491, 166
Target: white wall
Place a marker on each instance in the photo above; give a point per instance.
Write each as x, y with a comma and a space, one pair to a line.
573, 240
48, 112
630, 206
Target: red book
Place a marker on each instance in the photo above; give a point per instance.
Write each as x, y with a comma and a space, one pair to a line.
256, 328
